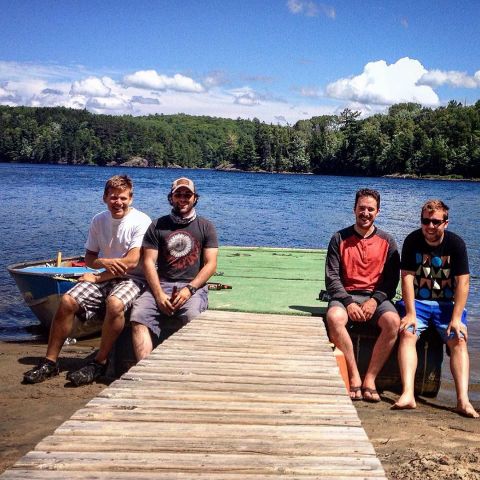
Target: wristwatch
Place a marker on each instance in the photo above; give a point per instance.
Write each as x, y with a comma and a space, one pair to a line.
191, 289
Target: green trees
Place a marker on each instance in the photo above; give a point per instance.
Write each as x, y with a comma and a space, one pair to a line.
408, 139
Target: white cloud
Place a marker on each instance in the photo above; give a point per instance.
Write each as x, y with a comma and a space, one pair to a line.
437, 78
248, 96
328, 11
51, 91
295, 6
311, 8
50, 71
152, 80
258, 78
148, 92
145, 100
215, 79
310, 92
247, 99
383, 84
108, 103
91, 87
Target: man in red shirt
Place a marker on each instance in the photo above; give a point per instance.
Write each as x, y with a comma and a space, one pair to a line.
362, 274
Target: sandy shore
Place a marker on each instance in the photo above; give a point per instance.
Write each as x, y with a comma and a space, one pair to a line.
431, 442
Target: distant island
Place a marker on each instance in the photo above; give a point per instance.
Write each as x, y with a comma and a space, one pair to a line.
407, 141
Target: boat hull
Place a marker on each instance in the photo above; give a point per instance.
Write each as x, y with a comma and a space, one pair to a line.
42, 286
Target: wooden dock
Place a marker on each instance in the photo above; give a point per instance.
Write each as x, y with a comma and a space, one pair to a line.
231, 396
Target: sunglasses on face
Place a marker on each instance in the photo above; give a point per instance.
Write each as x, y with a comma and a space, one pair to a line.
435, 222
187, 196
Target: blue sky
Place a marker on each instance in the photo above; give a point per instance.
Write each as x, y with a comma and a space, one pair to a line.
276, 60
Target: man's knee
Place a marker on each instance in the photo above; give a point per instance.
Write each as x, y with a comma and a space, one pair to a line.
457, 345
114, 306
337, 318
389, 322
408, 338
68, 305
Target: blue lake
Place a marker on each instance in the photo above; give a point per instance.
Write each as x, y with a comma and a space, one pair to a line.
47, 208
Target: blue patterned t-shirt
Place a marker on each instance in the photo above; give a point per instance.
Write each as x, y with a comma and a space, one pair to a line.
435, 267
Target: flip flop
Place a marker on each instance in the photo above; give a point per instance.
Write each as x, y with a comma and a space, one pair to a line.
371, 392
353, 389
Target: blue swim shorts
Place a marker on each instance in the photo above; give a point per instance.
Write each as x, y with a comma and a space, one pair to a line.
430, 312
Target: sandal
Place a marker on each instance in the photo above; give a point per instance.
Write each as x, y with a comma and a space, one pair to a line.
373, 396
354, 390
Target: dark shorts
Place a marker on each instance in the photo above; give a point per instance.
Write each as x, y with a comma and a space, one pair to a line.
431, 312
384, 307
91, 297
146, 312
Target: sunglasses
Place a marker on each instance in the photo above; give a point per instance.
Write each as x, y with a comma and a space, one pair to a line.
187, 196
433, 221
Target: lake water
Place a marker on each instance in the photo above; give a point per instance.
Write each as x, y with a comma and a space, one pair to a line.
47, 208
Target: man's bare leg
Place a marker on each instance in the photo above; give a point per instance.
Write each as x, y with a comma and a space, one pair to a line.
337, 319
61, 327
407, 362
460, 367
142, 341
112, 327
389, 323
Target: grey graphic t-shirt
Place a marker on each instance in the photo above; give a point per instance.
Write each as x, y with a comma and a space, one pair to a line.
180, 247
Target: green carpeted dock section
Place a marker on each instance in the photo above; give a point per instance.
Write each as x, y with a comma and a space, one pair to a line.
269, 280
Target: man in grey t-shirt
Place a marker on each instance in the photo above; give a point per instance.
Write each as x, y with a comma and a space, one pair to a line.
179, 256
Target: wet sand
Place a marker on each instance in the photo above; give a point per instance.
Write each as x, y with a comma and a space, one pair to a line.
430, 442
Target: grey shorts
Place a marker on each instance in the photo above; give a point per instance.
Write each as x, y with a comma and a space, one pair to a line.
91, 297
146, 312
384, 307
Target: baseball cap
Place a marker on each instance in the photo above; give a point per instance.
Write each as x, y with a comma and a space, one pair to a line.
182, 182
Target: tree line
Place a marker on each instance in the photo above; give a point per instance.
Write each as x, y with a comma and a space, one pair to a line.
407, 140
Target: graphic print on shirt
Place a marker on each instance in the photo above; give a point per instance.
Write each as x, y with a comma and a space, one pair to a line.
183, 250
433, 280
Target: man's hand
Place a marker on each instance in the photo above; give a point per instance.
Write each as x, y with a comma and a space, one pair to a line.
458, 329
113, 265
407, 321
181, 297
88, 277
165, 305
355, 313
368, 308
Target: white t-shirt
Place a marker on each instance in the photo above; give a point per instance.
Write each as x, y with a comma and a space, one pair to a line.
113, 238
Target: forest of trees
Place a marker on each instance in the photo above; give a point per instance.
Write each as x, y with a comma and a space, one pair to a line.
408, 140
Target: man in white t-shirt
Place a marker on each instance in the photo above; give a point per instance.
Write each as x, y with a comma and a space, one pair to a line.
114, 245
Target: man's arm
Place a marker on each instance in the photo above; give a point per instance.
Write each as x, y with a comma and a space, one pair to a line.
408, 295
150, 256
333, 280
462, 286
114, 267
202, 277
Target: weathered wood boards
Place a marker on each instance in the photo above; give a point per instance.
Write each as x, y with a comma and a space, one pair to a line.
231, 396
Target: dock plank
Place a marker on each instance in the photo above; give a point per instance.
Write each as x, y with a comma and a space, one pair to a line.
230, 396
